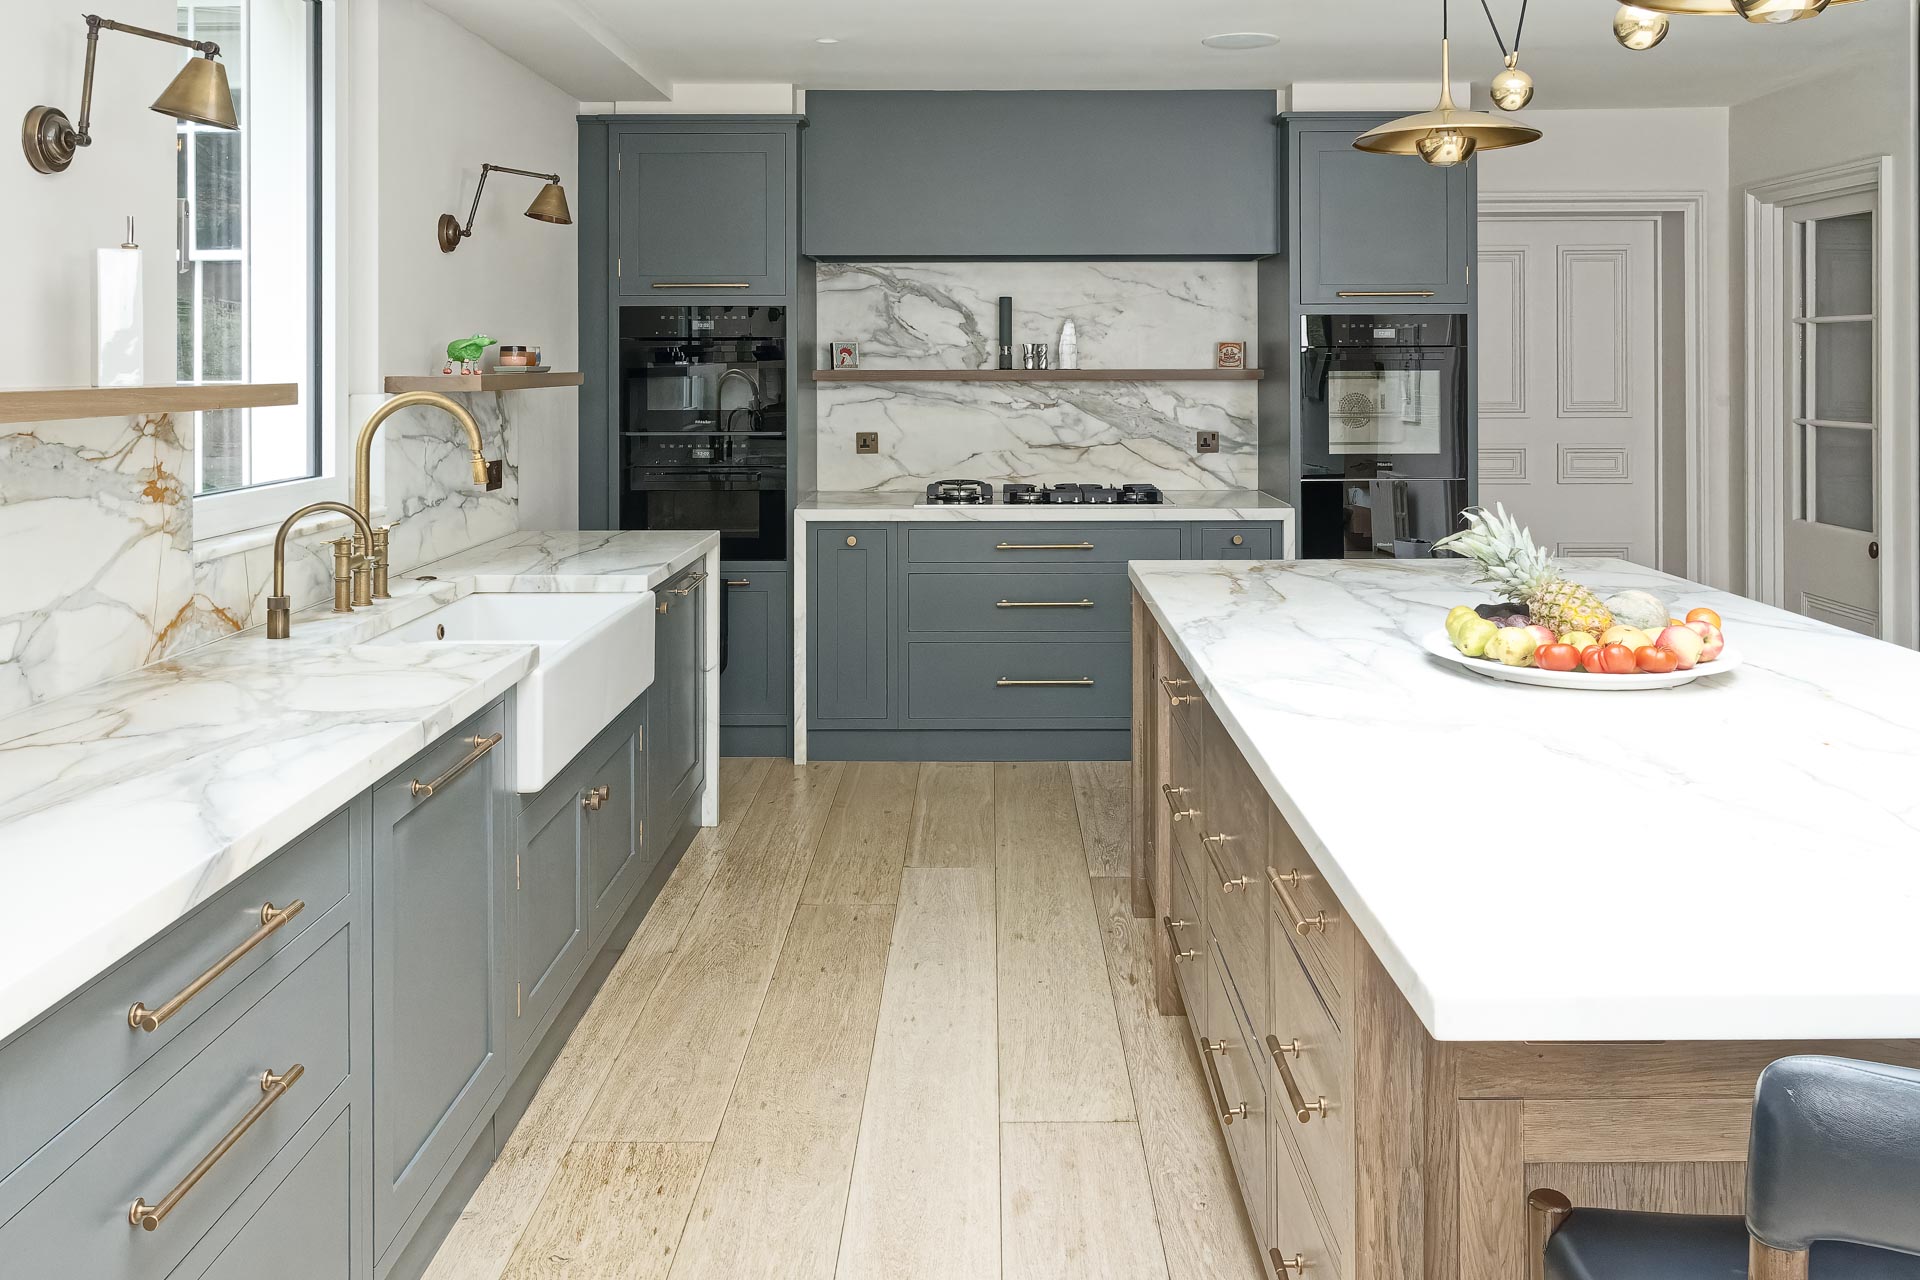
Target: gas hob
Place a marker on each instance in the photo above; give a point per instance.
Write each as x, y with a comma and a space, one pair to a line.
980, 493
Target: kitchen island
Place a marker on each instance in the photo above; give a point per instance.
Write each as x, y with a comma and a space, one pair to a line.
1447, 940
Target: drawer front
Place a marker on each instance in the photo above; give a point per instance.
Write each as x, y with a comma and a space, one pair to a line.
1186, 799
80, 1225
67, 1063
1040, 682
1317, 925
1019, 603
1239, 1097
1314, 1114
1296, 1237
304, 1231
1237, 809
1236, 542
1015, 545
1234, 920
1186, 929
1185, 702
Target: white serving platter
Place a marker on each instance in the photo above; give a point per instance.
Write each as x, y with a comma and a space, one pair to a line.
1437, 644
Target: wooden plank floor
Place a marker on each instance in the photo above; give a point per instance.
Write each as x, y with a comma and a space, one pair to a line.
885, 1021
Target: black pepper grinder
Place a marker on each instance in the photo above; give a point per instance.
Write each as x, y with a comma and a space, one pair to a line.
1006, 333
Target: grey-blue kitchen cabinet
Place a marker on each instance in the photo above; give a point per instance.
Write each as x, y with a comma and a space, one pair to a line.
701, 214
757, 681
619, 851
679, 702
1238, 542
1382, 233
549, 900
304, 1230
850, 662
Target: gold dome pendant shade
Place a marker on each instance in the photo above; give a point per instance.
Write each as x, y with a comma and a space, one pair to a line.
1758, 11
1446, 135
199, 94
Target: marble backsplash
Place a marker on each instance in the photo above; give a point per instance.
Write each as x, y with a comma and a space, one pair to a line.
99, 573
945, 315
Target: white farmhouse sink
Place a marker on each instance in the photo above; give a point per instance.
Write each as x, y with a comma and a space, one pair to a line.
595, 657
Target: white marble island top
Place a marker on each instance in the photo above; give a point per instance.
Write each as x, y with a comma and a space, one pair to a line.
124, 806
1737, 859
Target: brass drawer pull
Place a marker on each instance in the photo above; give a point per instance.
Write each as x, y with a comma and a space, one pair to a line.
1173, 939
1301, 1110
148, 1217
1082, 682
1227, 1114
425, 790
1302, 923
1217, 845
595, 797
141, 1018
739, 582
1281, 1266
1177, 699
708, 284
688, 584
1385, 293
1238, 882
1168, 790
1044, 604
1043, 546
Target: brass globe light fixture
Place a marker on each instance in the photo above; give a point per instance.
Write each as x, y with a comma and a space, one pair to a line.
1639, 29
1446, 135
1757, 11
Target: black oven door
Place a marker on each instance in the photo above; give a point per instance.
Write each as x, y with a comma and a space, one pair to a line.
1368, 412
748, 507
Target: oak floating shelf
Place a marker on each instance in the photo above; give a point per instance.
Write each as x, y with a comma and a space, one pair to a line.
397, 383
53, 404
1038, 375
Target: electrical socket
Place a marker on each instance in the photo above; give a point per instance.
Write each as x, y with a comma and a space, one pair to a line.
866, 442
1206, 441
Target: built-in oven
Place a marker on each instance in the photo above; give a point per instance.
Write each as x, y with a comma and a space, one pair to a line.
1383, 433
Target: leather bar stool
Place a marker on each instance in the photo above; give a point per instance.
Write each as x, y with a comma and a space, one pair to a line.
1833, 1192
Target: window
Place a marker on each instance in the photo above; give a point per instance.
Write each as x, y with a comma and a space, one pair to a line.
1833, 325
248, 244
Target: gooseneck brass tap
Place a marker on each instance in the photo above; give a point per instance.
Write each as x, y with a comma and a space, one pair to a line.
346, 564
370, 581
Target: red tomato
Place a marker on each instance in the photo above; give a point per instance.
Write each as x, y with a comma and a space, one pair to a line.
1656, 661
1556, 657
1593, 658
1616, 660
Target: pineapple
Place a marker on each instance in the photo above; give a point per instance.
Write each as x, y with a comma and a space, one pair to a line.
1524, 573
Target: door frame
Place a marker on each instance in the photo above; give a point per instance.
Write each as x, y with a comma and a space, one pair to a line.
1675, 215
1769, 378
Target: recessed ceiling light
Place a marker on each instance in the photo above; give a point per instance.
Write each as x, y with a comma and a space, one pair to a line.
828, 40
1241, 40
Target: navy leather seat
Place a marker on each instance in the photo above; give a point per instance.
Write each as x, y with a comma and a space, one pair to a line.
1833, 1171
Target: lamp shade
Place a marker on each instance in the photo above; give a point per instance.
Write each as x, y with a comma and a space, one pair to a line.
1446, 135
1751, 10
551, 205
200, 94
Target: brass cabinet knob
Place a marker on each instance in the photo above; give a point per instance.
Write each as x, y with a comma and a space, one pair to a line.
595, 797
852, 541
1239, 540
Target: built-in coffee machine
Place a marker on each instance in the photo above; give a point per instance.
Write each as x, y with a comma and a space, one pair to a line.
1383, 432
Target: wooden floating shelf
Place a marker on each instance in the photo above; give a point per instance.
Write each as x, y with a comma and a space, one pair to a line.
54, 404
482, 381
1038, 375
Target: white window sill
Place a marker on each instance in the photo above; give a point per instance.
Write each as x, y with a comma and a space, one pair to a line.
232, 523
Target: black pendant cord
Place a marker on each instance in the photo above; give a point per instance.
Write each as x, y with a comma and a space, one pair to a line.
1519, 28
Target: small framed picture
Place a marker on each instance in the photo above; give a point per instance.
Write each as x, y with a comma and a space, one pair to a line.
844, 355
1230, 355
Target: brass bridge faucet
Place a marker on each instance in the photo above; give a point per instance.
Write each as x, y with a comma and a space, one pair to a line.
370, 577
347, 563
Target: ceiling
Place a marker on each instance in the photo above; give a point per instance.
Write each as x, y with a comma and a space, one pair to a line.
608, 50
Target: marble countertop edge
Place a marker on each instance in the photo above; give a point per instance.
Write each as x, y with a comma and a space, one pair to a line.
1183, 505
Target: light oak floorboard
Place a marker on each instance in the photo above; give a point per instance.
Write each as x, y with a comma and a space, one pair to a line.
1102, 794
775, 1189
740, 779
1202, 1224
1060, 1056
953, 817
925, 1196
865, 844
1075, 1204
613, 1209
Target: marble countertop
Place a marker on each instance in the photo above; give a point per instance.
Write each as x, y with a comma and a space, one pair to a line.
124, 806
1736, 859
905, 504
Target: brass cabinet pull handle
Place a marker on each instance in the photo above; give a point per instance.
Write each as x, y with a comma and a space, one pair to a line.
739, 582
688, 584
708, 284
1083, 682
1301, 1110
424, 790
1044, 604
1281, 1266
595, 797
1207, 1049
1384, 293
148, 1217
1176, 699
1302, 923
1217, 845
141, 1018
1238, 882
1043, 546
1173, 939
1168, 790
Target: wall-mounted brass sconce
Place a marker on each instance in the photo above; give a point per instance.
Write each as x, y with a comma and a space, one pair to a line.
199, 93
549, 206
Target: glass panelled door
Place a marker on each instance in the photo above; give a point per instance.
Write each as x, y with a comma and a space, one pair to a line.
1832, 535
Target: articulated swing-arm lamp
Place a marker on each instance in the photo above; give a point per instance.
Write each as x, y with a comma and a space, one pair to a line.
549, 206
199, 94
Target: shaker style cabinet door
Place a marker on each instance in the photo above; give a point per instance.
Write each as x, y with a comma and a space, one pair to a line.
679, 701
618, 850
702, 216
549, 902
1390, 232
850, 624
758, 674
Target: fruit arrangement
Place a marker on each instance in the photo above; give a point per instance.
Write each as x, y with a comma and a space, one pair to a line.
1553, 623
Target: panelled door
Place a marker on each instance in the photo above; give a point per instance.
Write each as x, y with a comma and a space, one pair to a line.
1833, 518
1569, 381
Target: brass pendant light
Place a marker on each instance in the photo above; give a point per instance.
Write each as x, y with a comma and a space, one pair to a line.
1639, 29
1446, 135
1759, 11
1512, 88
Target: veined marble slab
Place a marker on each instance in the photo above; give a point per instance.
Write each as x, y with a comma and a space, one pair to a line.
1735, 859
125, 805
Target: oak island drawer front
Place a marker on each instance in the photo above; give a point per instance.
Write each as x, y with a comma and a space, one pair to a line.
1315, 922
1047, 682
1186, 931
1013, 545
304, 1231
68, 1062
1299, 1248
1306, 1061
1239, 1097
1185, 797
1234, 919
1235, 825
145, 1193
1184, 699
1019, 603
